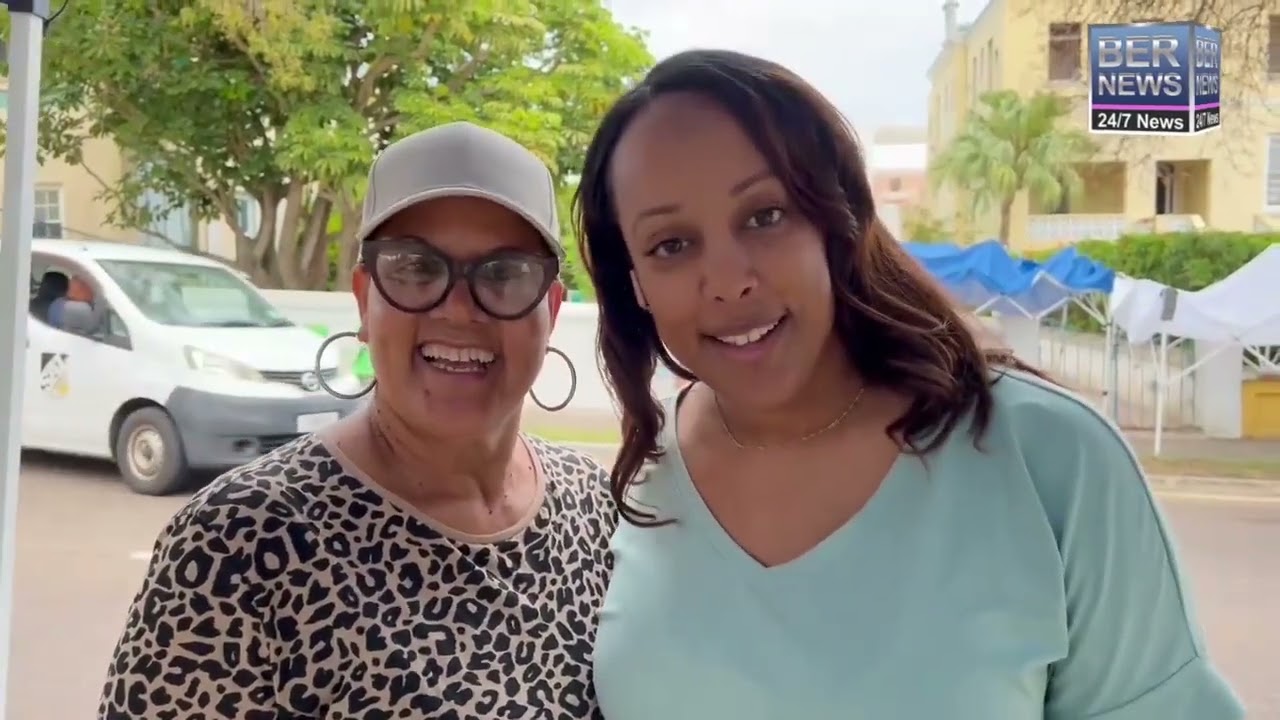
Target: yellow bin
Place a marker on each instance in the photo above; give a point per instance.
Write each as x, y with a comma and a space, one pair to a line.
1260, 408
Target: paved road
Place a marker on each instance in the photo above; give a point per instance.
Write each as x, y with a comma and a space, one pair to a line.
84, 541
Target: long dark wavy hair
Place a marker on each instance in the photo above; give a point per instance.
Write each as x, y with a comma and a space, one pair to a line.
898, 327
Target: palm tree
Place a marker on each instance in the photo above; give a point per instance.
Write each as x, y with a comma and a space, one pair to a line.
1008, 145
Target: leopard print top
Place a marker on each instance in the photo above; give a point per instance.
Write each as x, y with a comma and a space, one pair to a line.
290, 589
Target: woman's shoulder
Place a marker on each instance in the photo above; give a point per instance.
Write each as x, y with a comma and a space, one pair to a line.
1044, 414
1070, 449
577, 470
264, 496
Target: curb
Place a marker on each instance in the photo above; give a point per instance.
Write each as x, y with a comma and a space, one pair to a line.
1233, 487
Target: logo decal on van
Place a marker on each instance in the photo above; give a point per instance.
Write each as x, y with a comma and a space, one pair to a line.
54, 374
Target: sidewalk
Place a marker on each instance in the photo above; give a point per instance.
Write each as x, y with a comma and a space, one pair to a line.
1178, 445
1267, 490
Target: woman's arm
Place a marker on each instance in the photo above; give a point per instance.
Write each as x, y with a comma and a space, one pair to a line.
1135, 648
196, 641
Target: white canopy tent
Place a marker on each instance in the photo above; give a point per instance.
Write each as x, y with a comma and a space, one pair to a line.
1241, 310
26, 46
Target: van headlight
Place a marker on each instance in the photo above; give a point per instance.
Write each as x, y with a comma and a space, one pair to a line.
205, 361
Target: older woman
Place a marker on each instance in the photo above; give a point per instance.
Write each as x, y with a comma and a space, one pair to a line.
855, 511
420, 558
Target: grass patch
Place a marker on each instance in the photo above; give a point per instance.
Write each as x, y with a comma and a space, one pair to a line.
1241, 469
567, 435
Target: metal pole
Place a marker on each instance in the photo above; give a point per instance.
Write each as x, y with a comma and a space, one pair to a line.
1162, 384
26, 45
1114, 380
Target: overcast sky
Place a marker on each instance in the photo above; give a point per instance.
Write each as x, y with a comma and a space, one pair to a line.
868, 56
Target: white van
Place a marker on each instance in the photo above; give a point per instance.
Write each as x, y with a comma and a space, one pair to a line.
175, 364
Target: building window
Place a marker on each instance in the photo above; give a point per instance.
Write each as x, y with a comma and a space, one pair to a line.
1273, 46
973, 81
248, 214
48, 214
1064, 51
173, 225
1273, 172
895, 184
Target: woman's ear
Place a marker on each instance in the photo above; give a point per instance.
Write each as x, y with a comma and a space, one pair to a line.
555, 298
360, 286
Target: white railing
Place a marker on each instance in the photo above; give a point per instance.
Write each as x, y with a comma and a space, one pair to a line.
1053, 230
1179, 223
1184, 222
1079, 360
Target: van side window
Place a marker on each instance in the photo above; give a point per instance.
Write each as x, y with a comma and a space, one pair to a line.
115, 327
81, 308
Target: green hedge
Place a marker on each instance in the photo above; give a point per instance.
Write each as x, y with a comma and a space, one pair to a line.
1187, 261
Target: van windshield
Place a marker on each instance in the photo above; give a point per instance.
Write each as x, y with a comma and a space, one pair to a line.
192, 295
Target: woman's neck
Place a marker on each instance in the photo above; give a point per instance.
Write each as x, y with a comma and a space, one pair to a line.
823, 401
429, 470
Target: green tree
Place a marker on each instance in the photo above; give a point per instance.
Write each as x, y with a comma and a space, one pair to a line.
287, 101
921, 226
574, 272
1009, 145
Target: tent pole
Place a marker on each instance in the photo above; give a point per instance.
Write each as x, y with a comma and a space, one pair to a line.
1108, 392
1162, 373
1113, 380
26, 46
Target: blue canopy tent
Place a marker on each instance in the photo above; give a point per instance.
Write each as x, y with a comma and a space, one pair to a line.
984, 277
1080, 273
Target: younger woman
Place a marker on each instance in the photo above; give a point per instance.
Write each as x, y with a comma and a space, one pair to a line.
855, 512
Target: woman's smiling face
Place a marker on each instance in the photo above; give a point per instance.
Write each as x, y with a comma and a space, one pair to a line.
410, 350
734, 276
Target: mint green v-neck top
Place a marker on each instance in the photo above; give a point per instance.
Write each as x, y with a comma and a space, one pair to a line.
1031, 579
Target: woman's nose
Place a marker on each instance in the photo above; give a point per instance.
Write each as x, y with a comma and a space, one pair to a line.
459, 305
730, 273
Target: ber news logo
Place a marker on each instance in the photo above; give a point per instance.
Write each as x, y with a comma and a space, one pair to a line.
1155, 78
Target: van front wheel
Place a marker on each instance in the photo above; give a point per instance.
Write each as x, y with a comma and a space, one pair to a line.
149, 453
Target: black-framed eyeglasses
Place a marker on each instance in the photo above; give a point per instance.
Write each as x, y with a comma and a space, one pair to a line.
415, 277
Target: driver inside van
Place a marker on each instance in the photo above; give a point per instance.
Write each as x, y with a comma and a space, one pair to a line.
73, 311
53, 288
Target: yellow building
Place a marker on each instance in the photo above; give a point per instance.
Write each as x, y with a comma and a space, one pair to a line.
1228, 179
65, 196
68, 203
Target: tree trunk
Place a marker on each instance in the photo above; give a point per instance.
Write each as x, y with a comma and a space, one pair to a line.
292, 276
314, 258
348, 248
1006, 210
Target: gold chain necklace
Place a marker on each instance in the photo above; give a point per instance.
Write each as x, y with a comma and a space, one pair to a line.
829, 427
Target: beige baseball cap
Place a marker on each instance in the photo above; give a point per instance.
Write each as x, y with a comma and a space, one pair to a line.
460, 159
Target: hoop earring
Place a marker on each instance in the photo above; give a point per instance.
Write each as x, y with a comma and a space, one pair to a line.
573, 383
320, 374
